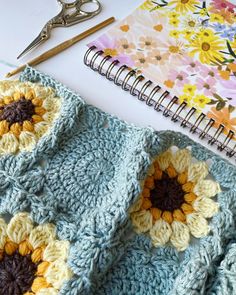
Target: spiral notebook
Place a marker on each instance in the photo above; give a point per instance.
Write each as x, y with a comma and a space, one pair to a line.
179, 57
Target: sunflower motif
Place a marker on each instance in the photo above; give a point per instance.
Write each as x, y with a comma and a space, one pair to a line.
32, 261
176, 200
184, 6
27, 111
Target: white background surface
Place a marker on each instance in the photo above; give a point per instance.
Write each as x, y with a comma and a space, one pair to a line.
20, 23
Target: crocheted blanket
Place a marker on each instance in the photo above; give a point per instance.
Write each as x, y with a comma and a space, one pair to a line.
92, 205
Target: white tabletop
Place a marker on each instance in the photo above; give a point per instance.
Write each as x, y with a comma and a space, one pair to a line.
22, 20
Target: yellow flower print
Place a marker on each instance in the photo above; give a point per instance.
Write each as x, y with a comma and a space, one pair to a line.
203, 12
189, 89
27, 112
188, 34
216, 18
185, 98
208, 48
173, 14
175, 34
201, 100
191, 23
206, 34
147, 5
184, 6
176, 200
174, 22
33, 256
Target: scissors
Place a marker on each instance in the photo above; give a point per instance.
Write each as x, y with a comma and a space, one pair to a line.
70, 14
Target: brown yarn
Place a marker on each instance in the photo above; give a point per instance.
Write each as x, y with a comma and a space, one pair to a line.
17, 111
16, 274
167, 194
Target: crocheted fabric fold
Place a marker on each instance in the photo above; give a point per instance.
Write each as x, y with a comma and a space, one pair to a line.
92, 205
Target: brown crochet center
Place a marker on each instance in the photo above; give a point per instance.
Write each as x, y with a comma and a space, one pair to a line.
167, 194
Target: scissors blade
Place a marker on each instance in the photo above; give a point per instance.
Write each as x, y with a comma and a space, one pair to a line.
36, 42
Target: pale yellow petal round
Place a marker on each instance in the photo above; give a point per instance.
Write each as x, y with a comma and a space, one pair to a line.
52, 104
41, 129
42, 235
160, 233
180, 235
50, 117
207, 188
3, 233
137, 205
27, 141
57, 273
47, 291
198, 225
164, 160
207, 207
142, 221
181, 160
8, 144
19, 227
56, 250
197, 171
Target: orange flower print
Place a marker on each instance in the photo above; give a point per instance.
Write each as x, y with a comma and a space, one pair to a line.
147, 42
140, 60
222, 117
158, 58
125, 46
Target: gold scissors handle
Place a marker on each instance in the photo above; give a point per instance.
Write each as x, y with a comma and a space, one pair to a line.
64, 18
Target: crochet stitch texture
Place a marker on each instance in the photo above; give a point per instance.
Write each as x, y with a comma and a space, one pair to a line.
82, 177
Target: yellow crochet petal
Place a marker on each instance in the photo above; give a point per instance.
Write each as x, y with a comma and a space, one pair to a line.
19, 227
197, 224
180, 235
181, 160
42, 235
207, 207
50, 116
164, 160
57, 273
136, 206
142, 221
8, 144
56, 250
47, 291
207, 188
50, 104
41, 129
27, 141
160, 233
3, 233
197, 171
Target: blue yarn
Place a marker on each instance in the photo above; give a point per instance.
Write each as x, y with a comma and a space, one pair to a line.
83, 177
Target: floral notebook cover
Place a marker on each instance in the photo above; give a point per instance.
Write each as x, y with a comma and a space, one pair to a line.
188, 47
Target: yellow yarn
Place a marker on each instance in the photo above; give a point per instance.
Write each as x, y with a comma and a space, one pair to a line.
197, 171
180, 235
10, 247
39, 283
55, 250
27, 126
142, 221
41, 129
42, 267
207, 188
206, 206
160, 233
3, 233
57, 273
37, 255
27, 141
42, 235
16, 129
25, 248
181, 160
197, 224
4, 127
8, 144
19, 227
164, 160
